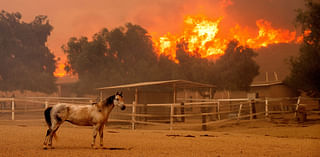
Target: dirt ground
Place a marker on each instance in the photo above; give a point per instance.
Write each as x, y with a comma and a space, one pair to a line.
248, 139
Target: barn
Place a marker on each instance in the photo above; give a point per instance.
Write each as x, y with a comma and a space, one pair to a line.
169, 91
266, 89
273, 89
151, 99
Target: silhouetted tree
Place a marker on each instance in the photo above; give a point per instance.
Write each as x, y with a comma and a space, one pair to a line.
26, 63
193, 67
122, 55
305, 69
236, 69
126, 55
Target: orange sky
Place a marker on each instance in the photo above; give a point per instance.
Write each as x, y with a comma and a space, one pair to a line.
84, 18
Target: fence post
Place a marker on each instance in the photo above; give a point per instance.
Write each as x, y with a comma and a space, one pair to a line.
297, 106
250, 108
12, 109
171, 116
46, 104
145, 111
254, 111
204, 118
239, 113
267, 108
134, 103
282, 109
218, 107
133, 118
182, 112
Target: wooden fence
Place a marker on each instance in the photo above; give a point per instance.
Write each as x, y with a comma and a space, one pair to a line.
189, 113
35, 105
207, 112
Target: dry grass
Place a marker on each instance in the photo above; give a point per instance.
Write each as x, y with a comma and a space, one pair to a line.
249, 139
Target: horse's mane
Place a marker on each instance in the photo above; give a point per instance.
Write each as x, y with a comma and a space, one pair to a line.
110, 100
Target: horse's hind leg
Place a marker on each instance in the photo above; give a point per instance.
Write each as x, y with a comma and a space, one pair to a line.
53, 132
46, 138
54, 119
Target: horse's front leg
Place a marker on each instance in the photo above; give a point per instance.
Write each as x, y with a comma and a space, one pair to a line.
94, 135
101, 135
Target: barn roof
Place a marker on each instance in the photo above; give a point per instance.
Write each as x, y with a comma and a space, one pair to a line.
169, 83
266, 84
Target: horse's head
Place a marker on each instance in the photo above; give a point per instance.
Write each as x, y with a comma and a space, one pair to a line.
118, 100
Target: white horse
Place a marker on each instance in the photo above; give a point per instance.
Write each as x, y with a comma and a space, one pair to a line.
95, 115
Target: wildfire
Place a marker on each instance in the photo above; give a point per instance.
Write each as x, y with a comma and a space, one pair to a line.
167, 45
305, 33
267, 35
200, 34
60, 72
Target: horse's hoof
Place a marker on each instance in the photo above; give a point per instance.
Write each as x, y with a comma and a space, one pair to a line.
50, 147
93, 147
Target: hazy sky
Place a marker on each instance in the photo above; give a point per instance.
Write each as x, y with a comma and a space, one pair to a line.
84, 18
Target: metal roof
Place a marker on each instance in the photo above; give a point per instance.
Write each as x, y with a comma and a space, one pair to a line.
266, 84
170, 83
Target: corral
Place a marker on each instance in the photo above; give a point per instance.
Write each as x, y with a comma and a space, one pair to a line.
274, 132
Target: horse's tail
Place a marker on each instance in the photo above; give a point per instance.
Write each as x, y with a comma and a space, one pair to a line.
47, 116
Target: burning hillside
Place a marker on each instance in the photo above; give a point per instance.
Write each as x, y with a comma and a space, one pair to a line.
202, 35
205, 39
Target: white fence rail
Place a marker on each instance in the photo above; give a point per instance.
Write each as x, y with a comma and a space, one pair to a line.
223, 110
192, 112
34, 104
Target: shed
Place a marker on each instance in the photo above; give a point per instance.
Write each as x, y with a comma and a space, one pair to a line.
272, 89
145, 94
158, 87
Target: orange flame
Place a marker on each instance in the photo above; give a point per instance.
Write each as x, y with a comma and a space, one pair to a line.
305, 33
60, 72
200, 33
166, 45
266, 36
